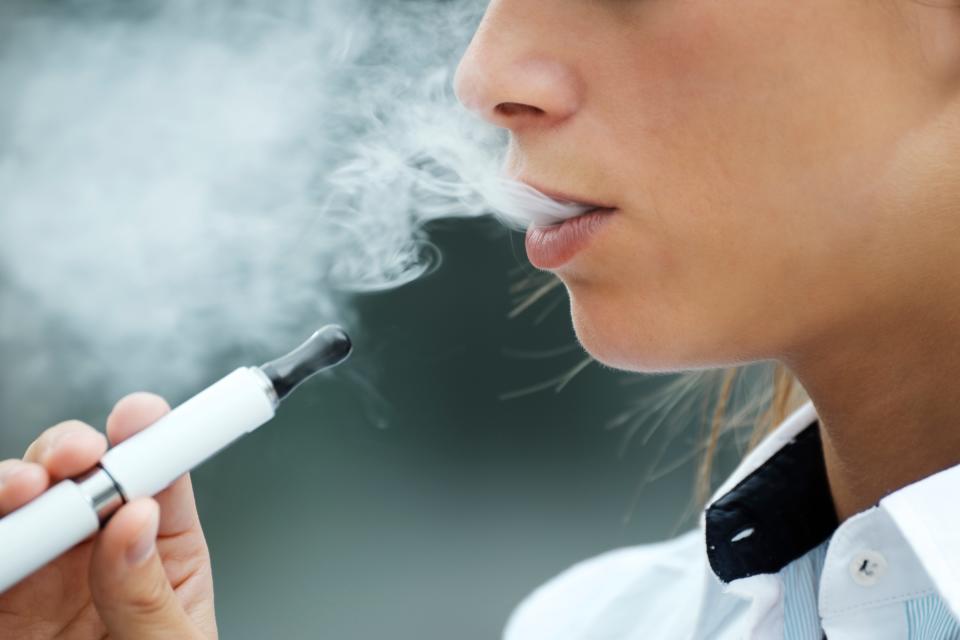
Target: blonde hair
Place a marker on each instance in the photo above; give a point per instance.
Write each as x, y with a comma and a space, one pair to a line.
779, 396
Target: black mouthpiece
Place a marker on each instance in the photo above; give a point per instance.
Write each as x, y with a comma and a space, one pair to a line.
326, 348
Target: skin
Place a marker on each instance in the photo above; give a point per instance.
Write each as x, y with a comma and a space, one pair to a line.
787, 178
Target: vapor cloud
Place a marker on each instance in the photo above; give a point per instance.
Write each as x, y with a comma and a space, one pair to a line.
183, 180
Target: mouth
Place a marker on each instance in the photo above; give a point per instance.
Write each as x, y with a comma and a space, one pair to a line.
551, 243
558, 225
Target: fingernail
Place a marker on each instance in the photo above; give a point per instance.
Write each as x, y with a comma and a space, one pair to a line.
143, 546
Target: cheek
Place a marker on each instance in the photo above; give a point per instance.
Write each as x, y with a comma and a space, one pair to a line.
751, 179
727, 100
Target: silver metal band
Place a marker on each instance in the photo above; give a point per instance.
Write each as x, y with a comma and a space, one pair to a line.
268, 388
103, 493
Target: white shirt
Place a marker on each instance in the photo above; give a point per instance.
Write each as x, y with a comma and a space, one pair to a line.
891, 572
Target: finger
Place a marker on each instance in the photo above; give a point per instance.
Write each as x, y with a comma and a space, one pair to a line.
127, 580
20, 482
67, 449
135, 412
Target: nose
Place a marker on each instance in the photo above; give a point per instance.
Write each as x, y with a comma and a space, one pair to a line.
513, 79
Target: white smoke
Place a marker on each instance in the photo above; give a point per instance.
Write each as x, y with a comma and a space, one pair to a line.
184, 180
165, 173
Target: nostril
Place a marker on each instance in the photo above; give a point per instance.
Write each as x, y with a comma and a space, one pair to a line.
517, 109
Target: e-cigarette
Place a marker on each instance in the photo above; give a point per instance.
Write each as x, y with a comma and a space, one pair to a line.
148, 462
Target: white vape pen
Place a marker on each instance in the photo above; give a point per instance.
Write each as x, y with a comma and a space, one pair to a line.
151, 460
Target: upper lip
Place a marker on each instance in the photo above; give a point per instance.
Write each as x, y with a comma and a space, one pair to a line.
566, 197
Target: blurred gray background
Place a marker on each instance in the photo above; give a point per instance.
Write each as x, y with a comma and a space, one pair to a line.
417, 491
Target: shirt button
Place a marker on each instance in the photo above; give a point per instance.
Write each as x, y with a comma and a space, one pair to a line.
867, 567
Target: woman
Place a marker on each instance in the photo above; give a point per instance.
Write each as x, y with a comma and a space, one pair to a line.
773, 181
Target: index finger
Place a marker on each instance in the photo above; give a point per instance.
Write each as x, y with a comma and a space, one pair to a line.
67, 449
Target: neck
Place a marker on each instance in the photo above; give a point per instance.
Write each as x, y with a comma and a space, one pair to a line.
888, 414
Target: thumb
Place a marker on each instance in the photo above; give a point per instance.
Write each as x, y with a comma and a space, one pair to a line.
129, 586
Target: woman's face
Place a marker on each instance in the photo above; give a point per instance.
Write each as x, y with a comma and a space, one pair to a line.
775, 165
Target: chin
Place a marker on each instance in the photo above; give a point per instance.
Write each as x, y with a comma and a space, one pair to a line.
621, 339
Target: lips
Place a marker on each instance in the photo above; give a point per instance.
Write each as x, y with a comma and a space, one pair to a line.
551, 247
559, 225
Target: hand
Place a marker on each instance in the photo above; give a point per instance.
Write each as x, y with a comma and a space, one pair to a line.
145, 576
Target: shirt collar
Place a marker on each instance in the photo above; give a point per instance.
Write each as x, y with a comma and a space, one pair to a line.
776, 506
777, 513
774, 514
928, 515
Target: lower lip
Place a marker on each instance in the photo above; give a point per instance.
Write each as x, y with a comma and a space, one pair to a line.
552, 247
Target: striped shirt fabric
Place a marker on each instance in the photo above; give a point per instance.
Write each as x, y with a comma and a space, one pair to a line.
801, 590
927, 616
